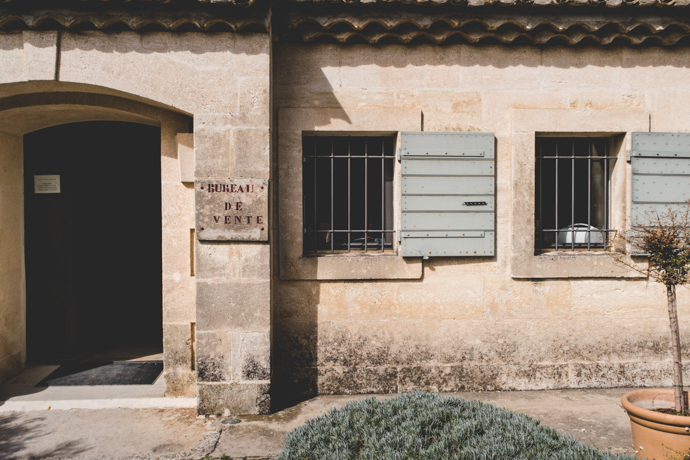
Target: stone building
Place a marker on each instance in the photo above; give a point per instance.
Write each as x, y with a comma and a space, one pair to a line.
352, 196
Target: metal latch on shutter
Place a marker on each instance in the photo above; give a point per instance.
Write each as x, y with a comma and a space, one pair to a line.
633, 153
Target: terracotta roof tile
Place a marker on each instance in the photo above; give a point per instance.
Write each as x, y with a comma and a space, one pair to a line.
494, 3
61, 3
136, 21
508, 29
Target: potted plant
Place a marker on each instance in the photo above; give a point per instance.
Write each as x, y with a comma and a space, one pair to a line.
659, 417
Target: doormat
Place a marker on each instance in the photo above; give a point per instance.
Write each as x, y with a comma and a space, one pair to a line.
80, 373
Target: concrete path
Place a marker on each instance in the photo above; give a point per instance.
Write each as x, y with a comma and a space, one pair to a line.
594, 417
137, 422
98, 422
106, 434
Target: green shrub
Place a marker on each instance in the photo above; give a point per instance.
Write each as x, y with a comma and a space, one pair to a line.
420, 425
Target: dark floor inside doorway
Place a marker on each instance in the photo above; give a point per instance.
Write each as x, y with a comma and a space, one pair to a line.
117, 366
82, 373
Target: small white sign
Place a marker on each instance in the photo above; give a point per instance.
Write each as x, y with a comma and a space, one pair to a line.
47, 184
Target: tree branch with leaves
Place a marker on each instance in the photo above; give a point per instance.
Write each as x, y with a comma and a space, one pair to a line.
664, 238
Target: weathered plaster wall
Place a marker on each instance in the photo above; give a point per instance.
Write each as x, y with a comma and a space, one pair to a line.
12, 293
471, 323
221, 81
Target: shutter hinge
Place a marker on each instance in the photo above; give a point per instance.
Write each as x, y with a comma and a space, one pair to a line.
399, 154
629, 155
399, 233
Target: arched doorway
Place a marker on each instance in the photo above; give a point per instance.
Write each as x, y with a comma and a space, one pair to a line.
127, 150
92, 213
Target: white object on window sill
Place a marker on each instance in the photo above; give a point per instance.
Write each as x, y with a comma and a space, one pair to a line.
583, 234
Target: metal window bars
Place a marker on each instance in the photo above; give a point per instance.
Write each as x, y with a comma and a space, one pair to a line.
343, 172
574, 219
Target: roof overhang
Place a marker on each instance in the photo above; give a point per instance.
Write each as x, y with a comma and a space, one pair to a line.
506, 22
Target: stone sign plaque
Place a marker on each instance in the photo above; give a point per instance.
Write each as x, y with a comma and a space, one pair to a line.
231, 209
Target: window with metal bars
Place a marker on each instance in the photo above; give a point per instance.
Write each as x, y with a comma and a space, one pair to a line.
348, 194
572, 193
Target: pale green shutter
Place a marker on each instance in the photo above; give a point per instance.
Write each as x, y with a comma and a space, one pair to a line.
660, 172
448, 190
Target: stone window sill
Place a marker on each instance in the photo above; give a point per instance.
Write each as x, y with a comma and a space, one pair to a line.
353, 267
568, 265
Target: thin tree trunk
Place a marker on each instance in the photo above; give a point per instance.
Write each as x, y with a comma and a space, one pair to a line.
681, 403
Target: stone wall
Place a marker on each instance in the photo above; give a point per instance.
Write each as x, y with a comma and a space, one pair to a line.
514, 321
12, 279
214, 84
360, 324
233, 299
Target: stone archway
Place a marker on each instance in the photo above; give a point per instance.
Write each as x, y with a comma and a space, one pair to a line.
223, 81
26, 112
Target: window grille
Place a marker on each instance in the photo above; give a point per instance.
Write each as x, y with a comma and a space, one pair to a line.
572, 193
348, 194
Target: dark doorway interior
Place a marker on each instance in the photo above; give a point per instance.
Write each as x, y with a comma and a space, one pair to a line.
93, 251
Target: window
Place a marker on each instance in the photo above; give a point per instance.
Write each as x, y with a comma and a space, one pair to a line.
348, 194
572, 193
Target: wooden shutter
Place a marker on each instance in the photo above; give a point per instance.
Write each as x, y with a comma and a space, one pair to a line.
448, 191
660, 172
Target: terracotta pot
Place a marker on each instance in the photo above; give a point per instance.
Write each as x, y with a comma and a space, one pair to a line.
655, 435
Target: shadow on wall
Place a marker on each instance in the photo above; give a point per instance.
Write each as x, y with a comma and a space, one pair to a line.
19, 431
163, 43
299, 373
295, 349
295, 323
360, 58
